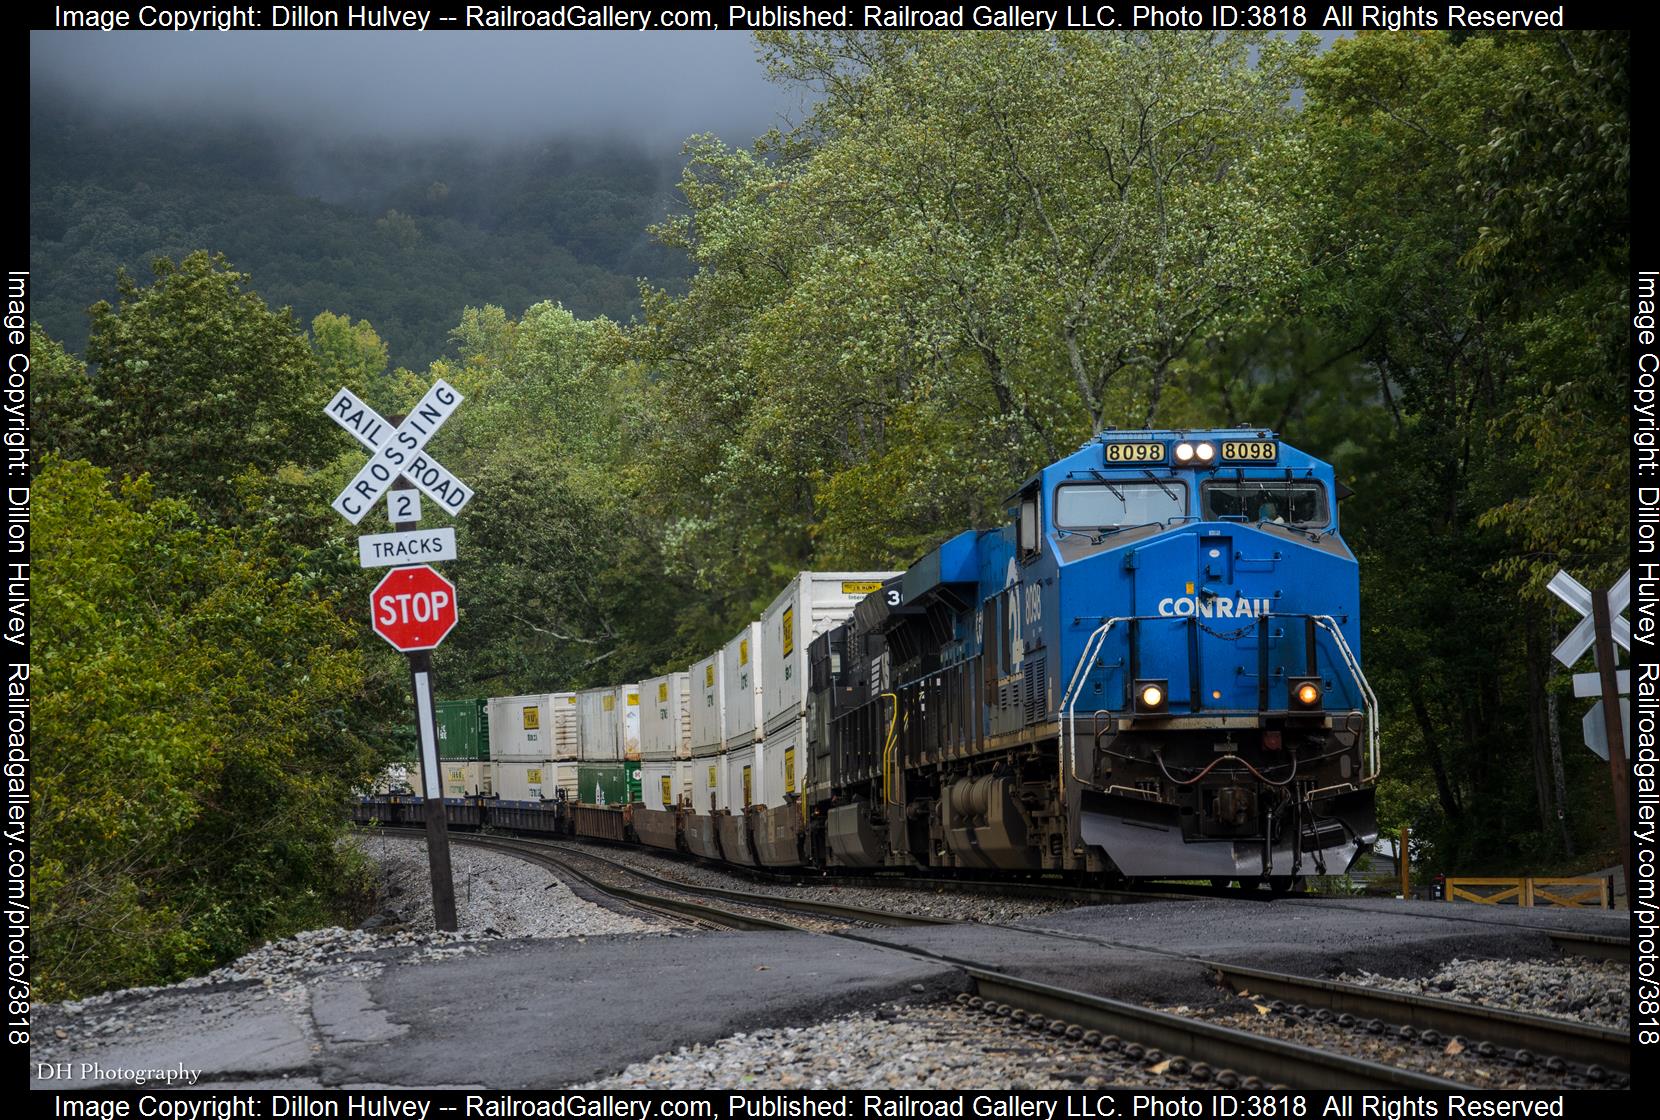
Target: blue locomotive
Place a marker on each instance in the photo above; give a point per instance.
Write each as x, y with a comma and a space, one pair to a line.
1151, 672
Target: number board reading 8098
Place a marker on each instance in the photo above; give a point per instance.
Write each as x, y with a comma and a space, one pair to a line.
1134, 452
1249, 450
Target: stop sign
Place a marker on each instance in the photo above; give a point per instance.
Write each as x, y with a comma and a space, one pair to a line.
413, 608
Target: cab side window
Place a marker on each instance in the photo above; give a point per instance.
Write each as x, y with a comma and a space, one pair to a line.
1029, 534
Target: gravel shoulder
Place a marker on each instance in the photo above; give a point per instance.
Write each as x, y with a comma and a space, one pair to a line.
898, 1046
1588, 991
496, 894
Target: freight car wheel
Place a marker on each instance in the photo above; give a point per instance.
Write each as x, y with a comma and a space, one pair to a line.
1279, 885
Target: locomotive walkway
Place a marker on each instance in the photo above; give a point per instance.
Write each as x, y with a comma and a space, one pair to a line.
545, 1013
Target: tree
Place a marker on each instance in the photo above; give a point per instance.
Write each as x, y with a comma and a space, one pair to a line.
190, 739
196, 380
1497, 376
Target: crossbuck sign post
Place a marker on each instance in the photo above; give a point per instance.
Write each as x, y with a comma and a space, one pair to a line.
1601, 628
413, 607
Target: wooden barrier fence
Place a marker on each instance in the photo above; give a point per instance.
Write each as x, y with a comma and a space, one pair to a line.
1532, 891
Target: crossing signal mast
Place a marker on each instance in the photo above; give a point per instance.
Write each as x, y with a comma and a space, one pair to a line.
413, 607
1607, 724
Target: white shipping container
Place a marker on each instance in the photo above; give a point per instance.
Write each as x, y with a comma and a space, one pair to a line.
596, 714
525, 781
739, 779
708, 706
781, 765
708, 778
666, 717
810, 604
627, 701
521, 728
567, 733
663, 782
741, 686
468, 779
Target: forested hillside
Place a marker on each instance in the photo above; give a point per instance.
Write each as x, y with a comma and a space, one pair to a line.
977, 251
405, 233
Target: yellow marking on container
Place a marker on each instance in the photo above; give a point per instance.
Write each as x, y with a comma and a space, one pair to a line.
609, 702
633, 699
712, 777
860, 586
746, 787
533, 777
663, 692
789, 769
709, 675
743, 651
570, 700
668, 790
789, 631
533, 718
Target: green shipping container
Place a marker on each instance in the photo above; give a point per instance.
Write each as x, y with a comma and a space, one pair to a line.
602, 784
634, 781
463, 731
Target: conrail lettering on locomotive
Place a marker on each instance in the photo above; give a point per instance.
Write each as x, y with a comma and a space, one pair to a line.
1151, 670
1214, 607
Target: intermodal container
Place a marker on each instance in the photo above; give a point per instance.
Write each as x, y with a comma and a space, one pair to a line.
601, 784
596, 716
464, 730
666, 717
708, 706
741, 687
810, 604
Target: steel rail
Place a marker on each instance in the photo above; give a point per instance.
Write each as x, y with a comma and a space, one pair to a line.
1291, 1063
1542, 1034
725, 919
840, 910
1598, 946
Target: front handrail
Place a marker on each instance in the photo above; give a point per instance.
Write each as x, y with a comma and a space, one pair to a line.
1068, 762
1329, 624
1069, 702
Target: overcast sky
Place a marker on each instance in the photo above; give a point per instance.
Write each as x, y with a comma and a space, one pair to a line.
658, 86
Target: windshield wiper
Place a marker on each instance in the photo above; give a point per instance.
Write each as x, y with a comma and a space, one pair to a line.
1168, 493
1102, 479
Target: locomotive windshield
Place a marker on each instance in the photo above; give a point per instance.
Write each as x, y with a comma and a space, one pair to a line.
1280, 501
1107, 505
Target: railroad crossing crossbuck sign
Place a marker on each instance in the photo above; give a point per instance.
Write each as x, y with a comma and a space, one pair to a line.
398, 451
1579, 640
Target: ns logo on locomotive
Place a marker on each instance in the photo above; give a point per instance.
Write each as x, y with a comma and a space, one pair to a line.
1151, 671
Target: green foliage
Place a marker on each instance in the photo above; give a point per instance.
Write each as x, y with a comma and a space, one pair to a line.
976, 250
1450, 164
190, 760
195, 380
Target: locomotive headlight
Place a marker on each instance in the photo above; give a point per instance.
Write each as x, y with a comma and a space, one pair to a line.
1152, 697
1205, 452
1184, 453
1306, 693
